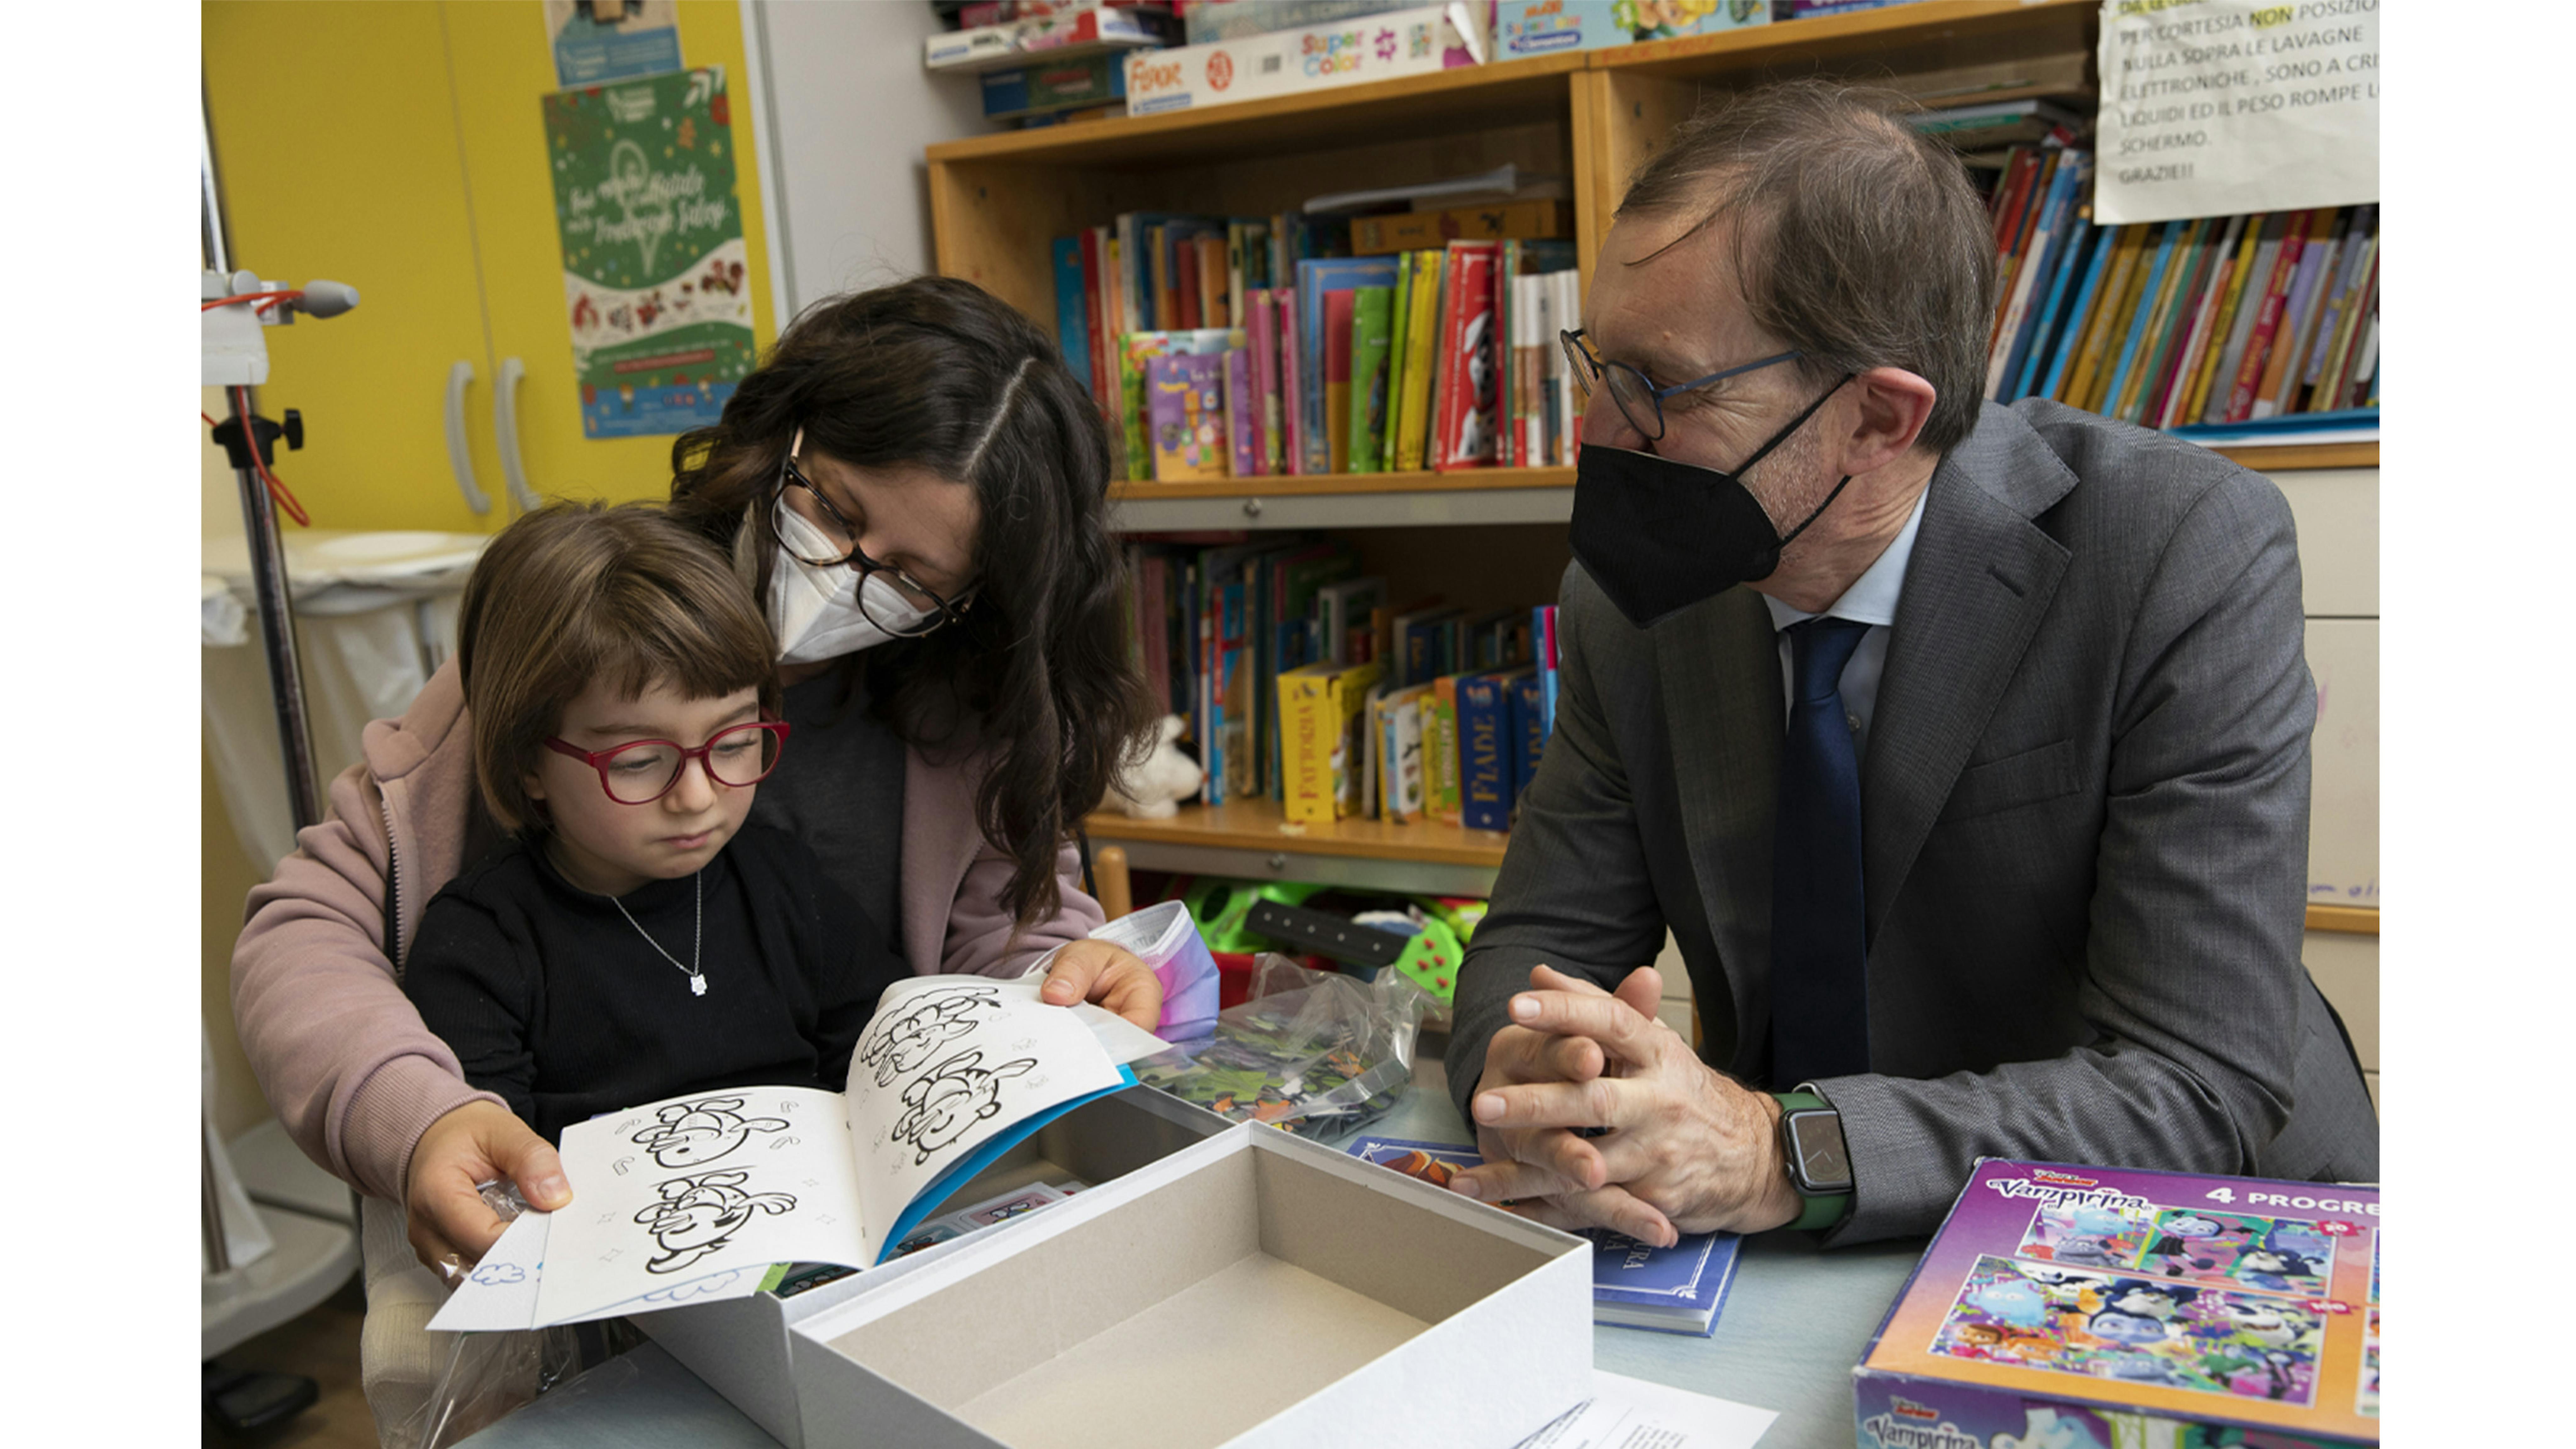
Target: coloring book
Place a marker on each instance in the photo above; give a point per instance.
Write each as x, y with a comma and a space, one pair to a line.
695, 1197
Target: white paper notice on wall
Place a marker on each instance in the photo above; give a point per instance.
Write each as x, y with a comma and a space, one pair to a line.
2214, 107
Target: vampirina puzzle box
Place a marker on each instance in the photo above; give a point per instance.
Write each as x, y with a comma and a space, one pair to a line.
2098, 1308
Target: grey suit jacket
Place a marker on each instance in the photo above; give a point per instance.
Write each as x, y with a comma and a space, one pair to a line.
2085, 825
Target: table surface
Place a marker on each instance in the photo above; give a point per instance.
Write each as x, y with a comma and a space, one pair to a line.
1794, 1323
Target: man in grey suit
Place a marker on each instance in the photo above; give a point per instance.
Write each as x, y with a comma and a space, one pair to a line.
1979, 812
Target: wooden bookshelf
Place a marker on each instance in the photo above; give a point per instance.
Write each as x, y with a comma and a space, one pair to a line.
1264, 825
1592, 116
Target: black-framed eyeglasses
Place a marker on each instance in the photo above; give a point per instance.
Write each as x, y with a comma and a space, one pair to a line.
1639, 400
640, 772
923, 609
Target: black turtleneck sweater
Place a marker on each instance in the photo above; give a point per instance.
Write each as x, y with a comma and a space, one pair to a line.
553, 1001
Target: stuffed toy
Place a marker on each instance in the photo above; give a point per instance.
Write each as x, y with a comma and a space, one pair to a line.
1153, 787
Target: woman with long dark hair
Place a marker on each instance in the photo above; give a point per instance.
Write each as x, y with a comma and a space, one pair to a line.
915, 488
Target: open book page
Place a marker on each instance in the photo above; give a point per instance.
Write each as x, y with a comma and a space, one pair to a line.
690, 1186
500, 1292
951, 1069
694, 1197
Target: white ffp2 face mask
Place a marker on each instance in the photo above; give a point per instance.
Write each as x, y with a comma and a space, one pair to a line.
815, 610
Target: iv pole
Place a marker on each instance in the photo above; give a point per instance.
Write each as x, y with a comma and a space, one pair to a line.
243, 1398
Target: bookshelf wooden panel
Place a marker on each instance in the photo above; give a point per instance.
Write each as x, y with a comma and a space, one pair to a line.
1466, 99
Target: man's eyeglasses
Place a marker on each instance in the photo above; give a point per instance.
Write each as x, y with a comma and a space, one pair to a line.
927, 609
643, 771
1639, 400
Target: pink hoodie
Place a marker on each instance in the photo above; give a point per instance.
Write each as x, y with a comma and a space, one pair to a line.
341, 1054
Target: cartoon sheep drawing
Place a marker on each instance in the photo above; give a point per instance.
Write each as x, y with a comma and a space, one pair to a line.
697, 1214
693, 1134
931, 1021
951, 1097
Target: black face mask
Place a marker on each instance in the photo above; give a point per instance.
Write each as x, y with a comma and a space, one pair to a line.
1659, 536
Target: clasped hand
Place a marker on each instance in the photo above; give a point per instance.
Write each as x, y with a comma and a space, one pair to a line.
1592, 1113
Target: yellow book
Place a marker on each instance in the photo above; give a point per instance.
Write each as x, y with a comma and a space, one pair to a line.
1413, 397
1321, 714
2097, 321
2225, 321
1440, 791
2160, 321
2111, 324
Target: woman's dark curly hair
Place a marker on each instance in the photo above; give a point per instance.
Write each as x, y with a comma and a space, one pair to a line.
940, 374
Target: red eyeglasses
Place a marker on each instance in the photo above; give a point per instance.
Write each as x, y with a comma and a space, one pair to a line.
640, 772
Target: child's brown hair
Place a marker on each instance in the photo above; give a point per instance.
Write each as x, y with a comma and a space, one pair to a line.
576, 592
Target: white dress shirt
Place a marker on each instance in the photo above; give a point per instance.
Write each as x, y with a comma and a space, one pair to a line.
1870, 600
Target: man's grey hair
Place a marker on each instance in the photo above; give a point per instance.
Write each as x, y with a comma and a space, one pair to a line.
1858, 240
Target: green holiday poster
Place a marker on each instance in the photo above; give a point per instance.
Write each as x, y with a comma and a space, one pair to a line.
653, 255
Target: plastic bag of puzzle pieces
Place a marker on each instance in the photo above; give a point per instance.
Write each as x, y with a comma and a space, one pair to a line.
491, 1375
1317, 1053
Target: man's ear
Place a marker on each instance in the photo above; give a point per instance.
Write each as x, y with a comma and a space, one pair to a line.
1890, 406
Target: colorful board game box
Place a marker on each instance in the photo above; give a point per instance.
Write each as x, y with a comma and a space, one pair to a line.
2094, 1308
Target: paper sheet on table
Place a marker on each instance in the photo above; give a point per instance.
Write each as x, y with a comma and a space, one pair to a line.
1626, 1413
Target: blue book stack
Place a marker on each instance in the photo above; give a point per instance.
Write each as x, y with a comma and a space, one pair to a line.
1680, 1289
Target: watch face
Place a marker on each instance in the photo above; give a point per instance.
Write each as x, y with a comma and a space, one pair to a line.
1817, 1139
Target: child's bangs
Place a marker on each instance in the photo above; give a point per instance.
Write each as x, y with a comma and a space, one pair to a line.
702, 653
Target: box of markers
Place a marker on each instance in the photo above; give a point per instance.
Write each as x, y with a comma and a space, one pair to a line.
2096, 1308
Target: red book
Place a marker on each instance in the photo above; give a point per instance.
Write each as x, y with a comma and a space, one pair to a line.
2011, 191
2267, 321
1104, 343
2017, 220
1292, 416
1466, 412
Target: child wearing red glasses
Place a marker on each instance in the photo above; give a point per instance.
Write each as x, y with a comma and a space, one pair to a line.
637, 938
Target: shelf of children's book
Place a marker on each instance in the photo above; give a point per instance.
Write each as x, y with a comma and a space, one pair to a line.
1473, 97
2298, 456
1348, 500
1927, 36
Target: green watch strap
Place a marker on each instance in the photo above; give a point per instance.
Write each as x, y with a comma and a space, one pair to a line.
1825, 1210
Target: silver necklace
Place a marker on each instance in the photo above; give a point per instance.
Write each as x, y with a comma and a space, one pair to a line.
697, 938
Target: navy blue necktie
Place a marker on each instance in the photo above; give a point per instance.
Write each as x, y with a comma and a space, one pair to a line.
1819, 925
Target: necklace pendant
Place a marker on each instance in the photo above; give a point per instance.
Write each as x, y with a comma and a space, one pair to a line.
697, 986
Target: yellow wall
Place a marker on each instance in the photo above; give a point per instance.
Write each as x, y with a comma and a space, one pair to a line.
398, 146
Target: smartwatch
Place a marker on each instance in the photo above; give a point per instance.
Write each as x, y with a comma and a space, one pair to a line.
1811, 1144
